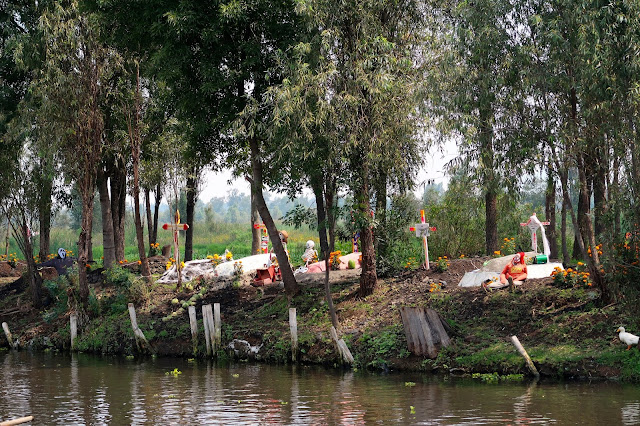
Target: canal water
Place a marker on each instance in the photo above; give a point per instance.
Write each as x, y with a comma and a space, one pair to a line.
85, 389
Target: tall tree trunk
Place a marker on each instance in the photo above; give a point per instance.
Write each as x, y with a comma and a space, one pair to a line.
192, 182
147, 209
330, 190
290, 283
90, 238
118, 184
563, 233
586, 228
156, 212
598, 179
107, 220
615, 196
136, 142
317, 186
255, 220
550, 214
368, 276
44, 208
22, 235
381, 214
491, 224
583, 209
83, 245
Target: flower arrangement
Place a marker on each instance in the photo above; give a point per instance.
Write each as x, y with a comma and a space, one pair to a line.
334, 260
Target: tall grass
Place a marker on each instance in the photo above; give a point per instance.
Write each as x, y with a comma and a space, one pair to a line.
208, 239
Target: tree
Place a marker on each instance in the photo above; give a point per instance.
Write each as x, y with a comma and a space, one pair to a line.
352, 92
72, 90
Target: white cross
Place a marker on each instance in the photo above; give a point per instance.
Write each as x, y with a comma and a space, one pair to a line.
533, 224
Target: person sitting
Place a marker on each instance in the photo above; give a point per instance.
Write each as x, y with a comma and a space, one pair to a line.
515, 272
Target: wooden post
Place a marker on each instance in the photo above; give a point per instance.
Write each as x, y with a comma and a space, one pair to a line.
209, 318
73, 326
525, 355
140, 339
293, 327
5, 327
175, 227
193, 322
207, 337
17, 421
343, 349
217, 330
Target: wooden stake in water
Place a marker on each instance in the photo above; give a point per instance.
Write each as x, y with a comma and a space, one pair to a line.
73, 326
193, 322
141, 341
293, 327
18, 421
526, 357
207, 337
217, 331
5, 327
343, 349
211, 327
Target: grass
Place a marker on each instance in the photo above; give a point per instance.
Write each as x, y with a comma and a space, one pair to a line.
206, 241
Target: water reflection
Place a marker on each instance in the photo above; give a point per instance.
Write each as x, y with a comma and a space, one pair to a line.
83, 389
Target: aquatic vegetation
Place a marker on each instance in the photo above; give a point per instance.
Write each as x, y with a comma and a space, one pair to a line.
174, 373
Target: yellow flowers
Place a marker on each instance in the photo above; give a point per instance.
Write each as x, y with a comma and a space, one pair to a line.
229, 255
462, 256
434, 287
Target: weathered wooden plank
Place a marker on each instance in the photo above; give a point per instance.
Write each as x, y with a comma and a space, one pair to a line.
293, 327
436, 323
424, 331
427, 333
404, 315
206, 329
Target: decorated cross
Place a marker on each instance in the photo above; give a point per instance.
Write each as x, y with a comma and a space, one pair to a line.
533, 224
423, 230
175, 227
264, 238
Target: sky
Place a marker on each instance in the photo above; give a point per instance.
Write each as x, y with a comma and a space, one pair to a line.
217, 184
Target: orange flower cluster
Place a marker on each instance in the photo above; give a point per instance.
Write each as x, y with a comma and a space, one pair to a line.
571, 277
434, 287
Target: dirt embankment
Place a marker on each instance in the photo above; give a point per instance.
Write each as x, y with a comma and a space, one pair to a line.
567, 332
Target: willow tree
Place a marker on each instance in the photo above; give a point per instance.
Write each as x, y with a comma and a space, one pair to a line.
72, 89
349, 97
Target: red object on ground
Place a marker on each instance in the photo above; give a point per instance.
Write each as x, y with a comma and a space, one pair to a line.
266, 276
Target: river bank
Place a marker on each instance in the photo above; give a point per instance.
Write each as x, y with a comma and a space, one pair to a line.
567, 332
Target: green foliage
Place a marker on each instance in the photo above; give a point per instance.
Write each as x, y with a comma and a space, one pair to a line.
58, 292
396, 245
381, 347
